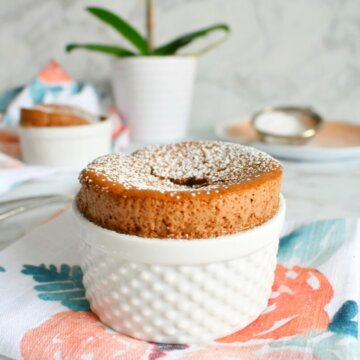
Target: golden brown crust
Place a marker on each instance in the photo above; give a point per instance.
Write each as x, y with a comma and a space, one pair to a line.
46, 115
186, 219
184, 211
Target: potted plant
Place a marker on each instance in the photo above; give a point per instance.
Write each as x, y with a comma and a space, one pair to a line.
152, 85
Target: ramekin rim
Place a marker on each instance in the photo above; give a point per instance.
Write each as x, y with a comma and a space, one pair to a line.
178, 251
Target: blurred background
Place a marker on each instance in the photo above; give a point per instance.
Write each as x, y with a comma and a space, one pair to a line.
279, 52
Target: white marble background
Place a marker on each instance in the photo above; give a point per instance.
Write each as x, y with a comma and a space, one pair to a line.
280, 51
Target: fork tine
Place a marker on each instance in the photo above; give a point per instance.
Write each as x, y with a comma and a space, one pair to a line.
41, 200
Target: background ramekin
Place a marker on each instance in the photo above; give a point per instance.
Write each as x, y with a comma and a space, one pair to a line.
71, 146
179, 291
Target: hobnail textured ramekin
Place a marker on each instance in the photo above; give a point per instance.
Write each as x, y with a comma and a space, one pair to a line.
179, 291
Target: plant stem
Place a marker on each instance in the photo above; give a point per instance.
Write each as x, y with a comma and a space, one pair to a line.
150, 24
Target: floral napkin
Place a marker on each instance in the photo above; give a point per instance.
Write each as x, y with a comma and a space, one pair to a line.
52, 85
312, 312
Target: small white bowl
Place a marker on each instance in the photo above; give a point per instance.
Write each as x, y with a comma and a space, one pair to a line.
179, 291
70, 146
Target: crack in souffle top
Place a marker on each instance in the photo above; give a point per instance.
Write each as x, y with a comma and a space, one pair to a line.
188, 166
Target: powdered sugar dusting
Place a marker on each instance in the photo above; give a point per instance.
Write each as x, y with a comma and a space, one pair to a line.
190, 166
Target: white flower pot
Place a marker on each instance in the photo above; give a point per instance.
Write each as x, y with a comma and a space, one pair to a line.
154, 96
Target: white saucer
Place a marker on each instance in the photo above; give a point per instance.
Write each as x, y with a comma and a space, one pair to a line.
335, 140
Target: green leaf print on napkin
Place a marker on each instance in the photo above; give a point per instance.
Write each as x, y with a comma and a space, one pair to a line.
63, 284
2, 269
345, 319
313, 244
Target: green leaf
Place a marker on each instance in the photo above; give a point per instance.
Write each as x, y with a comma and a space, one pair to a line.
173, 46
106, 49
123, 27
63, 285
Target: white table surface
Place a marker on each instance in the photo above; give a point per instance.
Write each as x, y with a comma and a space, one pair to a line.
312, 190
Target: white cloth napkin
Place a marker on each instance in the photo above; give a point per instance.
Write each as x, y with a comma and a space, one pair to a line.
312, 314
14, 172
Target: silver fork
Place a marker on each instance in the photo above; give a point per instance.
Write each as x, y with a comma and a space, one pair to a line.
29, 203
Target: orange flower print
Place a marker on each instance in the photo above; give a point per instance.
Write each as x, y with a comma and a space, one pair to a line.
297, 304
9, 145
53, 73
72, 335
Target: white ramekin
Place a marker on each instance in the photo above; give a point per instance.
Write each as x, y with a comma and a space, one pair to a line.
179, 291
70, 146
